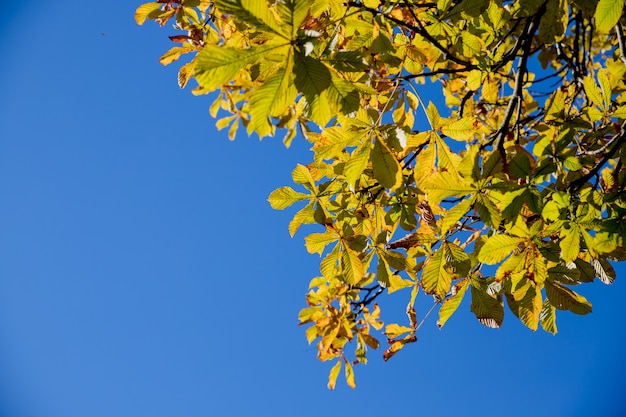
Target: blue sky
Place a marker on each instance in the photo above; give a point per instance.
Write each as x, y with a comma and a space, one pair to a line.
143, 273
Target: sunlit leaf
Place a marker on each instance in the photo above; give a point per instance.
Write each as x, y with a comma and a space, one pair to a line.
547, 317
451, 304
350, 375
218, 65
334, 373
144, 11
284, 197
562, 298
317, 242
436, 279
497, 248
445, 184
386, 168
461, 130
607, 14
487, 309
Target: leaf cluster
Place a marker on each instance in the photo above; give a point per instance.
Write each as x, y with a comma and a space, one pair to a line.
513, 195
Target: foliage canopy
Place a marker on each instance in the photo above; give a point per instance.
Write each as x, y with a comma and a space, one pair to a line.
512, 195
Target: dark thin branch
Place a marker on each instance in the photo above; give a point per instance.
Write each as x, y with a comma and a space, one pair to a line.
466, 97
516, 98
371, 294
547, 77
436, 72
413, 155
617, 141
419, 29
502, 40
509, 56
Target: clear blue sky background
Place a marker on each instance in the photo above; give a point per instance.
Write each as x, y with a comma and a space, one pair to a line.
143, 273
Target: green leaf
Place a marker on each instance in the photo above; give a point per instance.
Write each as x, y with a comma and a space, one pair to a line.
446, 159
487, 309
488, 210
352, 266
347, 61
529, 308
293, 13
435, 277
216, 66
593, 92
255, 13
451, 304
329, 265
386, 168
304, 216
445, 184
469, 167
357, 163
274, 95
604, 270
455, 214
607, 14
334, 373
284, 197
562, 298
461, 130
383, 273
459, 263
343, 96
551, 211
312, 78
473, 8
553, 21
570, 242
497, 248
547, 317
302, 175
536, 265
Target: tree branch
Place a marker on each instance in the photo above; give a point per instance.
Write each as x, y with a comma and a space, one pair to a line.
516, 99
419, 29
617, 141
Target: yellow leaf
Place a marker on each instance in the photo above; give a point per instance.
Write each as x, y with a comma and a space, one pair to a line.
436, 279
350, 375
386, 168
607, 14
394, 330
353, 270
332, 376
451, 304
497, 248
547, 317
144, 11
316, 242
284, 197
175, 53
